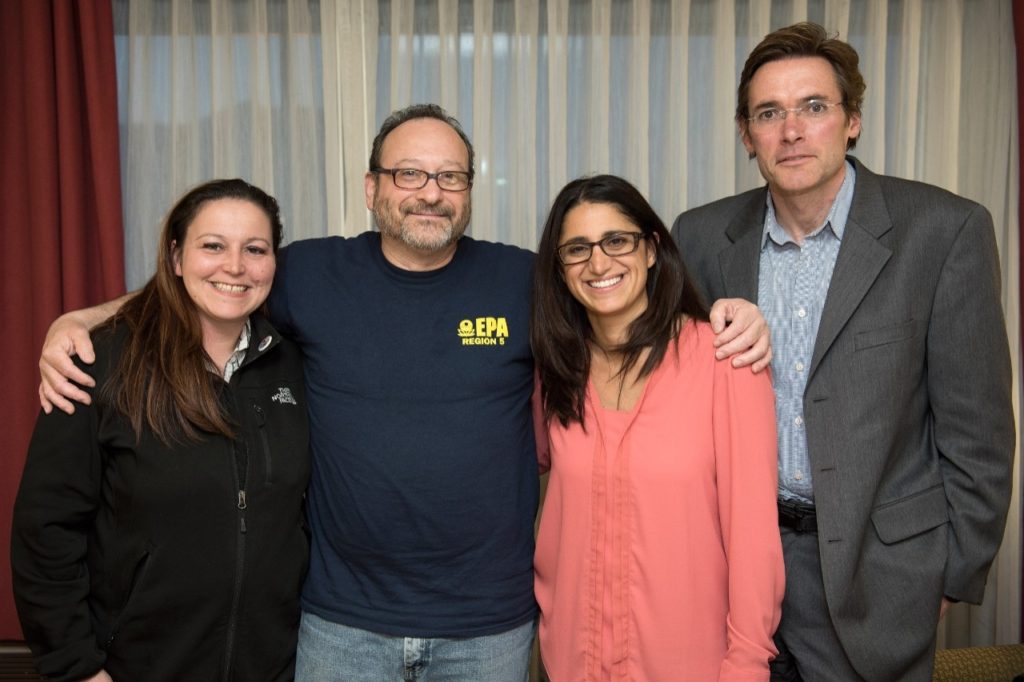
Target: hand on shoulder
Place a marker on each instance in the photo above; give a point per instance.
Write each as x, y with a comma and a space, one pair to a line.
741, 333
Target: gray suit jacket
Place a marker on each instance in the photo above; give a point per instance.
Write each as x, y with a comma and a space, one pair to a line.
910, 429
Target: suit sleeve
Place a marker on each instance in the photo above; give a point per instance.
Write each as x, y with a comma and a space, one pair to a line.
683, 232
53, 515
969, 389
747, 479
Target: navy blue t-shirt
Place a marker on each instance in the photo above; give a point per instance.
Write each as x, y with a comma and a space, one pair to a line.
424, 484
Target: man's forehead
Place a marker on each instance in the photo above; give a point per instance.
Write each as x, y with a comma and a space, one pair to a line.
799, 77
422, 138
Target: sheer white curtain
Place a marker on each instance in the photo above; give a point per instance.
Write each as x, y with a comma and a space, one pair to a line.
218, 89
289, 93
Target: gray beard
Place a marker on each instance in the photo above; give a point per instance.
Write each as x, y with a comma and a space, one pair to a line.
429, 240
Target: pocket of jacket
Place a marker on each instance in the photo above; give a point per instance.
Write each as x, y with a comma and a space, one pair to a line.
138, 575
911, 515
885, 335
261, 427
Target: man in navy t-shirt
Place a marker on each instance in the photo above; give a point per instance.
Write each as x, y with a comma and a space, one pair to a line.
419, 378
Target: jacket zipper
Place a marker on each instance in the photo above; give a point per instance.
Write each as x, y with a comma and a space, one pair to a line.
241, 467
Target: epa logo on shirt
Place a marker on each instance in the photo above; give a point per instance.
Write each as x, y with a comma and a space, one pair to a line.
483, 331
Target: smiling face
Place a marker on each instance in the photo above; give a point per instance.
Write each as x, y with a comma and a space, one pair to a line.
426, 221
226, 262
800, 156
612, 289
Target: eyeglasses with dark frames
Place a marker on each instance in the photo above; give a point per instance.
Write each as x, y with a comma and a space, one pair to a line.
616, 244
414, 178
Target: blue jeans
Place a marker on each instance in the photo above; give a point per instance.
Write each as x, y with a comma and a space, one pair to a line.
331, 652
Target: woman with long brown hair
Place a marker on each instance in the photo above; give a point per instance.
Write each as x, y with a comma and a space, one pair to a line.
658, 554
158, 532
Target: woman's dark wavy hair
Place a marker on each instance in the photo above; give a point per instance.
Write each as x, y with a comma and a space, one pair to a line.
162, 380
559, 327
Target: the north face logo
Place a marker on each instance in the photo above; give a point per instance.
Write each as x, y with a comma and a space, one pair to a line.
284, 395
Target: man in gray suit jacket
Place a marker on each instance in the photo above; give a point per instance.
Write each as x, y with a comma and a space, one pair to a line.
891, 369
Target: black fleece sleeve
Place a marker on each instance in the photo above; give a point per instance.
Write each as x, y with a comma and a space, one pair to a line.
53, 514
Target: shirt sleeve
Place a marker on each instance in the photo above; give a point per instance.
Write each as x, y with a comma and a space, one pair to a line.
747, 480
277, 303
53, 515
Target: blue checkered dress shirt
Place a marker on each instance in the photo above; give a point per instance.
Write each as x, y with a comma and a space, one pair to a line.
792, 285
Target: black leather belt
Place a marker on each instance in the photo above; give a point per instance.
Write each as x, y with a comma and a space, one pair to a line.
797, 516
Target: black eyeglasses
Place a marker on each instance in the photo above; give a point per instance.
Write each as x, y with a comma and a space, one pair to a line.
617, 244
414, 178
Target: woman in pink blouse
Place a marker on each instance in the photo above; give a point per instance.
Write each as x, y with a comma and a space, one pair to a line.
658, 556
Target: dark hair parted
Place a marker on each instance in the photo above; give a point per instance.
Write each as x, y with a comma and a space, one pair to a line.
410, 113
560, 330
805, 39
162, 380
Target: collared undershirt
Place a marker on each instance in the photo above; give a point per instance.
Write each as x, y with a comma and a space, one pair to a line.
793, 282
235, 361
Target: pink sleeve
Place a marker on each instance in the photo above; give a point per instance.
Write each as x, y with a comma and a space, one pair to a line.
747, 474
540, 429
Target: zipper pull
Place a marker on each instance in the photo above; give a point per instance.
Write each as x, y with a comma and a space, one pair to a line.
242, 505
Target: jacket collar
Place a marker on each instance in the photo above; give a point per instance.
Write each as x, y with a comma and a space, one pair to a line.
263, 339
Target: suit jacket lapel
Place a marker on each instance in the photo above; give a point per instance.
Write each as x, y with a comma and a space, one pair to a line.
861, 257
740, 260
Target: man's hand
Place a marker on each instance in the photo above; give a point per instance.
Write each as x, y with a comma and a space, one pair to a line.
101, 676
741, 333
68, 336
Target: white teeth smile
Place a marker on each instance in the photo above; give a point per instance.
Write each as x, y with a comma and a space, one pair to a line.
605, 283
229, 288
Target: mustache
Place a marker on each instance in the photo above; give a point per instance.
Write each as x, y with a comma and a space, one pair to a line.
423, 207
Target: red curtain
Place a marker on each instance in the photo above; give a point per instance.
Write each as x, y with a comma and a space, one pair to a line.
61, 244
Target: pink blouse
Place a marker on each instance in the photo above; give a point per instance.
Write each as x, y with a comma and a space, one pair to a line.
658, 555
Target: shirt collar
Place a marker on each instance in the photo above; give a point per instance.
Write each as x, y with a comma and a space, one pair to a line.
835, 220
238, 355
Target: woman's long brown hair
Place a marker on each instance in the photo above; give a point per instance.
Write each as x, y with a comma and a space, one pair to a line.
162, 379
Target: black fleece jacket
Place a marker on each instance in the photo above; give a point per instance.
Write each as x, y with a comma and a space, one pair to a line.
168, 563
